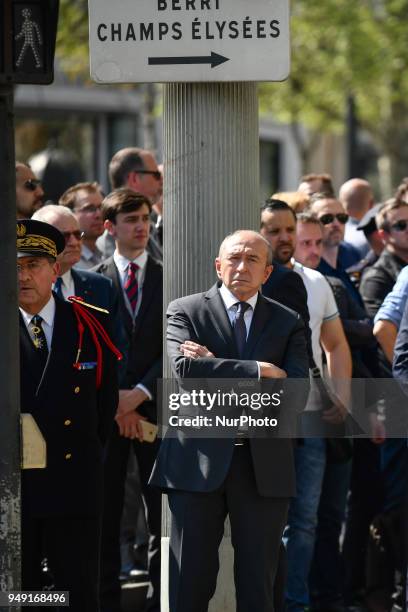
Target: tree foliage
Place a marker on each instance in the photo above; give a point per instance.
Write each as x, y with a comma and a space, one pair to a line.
343, 48
339, 48
72, 41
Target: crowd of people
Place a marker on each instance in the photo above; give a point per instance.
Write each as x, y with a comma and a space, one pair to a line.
336, 540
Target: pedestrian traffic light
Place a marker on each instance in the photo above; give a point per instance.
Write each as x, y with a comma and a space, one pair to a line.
28, 31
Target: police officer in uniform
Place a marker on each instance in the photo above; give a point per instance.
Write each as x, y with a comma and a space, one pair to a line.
69, 385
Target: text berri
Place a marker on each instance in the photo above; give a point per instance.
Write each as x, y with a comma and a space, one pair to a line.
188, 5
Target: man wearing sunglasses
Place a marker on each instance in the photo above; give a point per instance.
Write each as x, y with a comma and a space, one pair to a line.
378, 281
85, 201
29, 193
92, 287
137, 170
337, 256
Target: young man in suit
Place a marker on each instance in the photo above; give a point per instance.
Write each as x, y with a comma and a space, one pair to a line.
72, 395
231, 331
139, 281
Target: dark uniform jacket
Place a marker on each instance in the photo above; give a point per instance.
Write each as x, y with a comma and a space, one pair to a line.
100, 291
74, 418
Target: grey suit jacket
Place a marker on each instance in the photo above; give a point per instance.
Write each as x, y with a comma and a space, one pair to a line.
276, 336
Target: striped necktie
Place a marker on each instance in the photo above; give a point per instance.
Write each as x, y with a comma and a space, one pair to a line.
131, 285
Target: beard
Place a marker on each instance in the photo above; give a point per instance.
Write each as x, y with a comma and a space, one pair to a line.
284, 253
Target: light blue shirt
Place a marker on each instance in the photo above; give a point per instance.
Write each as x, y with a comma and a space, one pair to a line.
393, 306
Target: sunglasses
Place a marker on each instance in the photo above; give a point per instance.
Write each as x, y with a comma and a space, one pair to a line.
77, 234
329, 218
155, 173
32, 184
400, 226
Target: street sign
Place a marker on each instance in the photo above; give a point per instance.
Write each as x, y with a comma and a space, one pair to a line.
188, 40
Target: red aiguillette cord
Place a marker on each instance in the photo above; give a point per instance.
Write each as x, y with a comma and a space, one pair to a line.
84, 317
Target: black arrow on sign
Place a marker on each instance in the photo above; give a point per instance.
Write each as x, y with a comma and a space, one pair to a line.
214, 59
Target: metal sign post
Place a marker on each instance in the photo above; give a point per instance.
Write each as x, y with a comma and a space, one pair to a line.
9, 359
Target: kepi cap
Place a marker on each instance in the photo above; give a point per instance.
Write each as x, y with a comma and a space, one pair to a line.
38, 239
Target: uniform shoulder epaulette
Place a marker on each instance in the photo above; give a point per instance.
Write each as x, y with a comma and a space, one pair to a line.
78, 300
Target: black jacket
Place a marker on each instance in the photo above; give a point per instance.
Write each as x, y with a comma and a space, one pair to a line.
74, 417
379, 279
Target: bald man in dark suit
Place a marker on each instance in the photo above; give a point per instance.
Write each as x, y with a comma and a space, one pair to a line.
231, 332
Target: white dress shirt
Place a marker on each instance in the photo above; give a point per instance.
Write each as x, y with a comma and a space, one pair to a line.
48, 315
230, 302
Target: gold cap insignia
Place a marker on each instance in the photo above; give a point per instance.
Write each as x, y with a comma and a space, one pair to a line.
21, 230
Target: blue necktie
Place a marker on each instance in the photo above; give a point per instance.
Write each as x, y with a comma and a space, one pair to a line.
239, 326
58, 288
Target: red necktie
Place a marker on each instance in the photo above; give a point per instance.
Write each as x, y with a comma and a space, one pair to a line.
131, 286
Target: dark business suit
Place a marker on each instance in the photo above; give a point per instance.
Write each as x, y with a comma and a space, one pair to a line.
62, 504
144, 365
206, 479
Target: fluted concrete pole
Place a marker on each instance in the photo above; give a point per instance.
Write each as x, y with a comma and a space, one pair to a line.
211, 161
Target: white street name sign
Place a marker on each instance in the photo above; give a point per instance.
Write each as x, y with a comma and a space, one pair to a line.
142, 41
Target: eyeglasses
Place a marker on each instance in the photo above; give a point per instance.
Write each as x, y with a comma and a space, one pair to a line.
77, 235
32, 266
89, 208
32, 184
329, 218
155, 173
400, 226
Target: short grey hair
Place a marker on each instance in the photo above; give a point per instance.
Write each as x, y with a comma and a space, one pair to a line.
50, 211
269, 253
